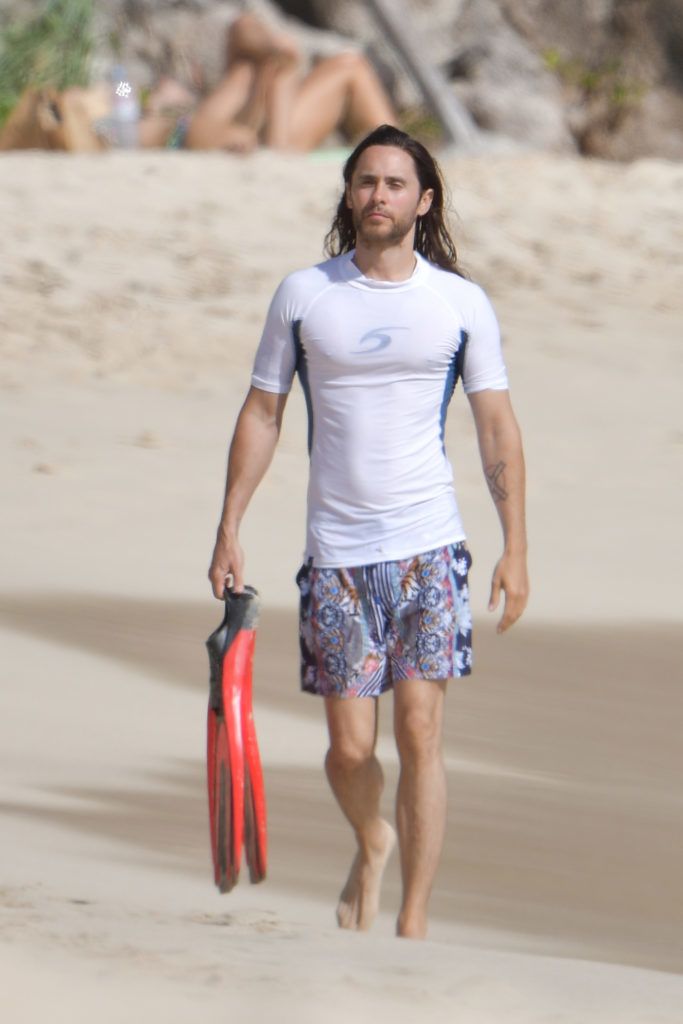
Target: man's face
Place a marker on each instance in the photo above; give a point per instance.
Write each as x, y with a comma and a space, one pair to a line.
384, 196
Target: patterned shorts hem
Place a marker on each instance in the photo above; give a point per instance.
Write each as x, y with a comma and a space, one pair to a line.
351, 694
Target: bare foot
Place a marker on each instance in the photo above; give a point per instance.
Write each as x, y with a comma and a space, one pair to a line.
411, 928
359, 900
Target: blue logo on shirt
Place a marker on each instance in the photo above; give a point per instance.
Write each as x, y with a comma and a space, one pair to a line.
380, 338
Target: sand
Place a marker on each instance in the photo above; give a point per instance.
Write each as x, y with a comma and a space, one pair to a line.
132, 291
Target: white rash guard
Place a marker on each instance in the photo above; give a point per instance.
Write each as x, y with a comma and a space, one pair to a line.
378, 362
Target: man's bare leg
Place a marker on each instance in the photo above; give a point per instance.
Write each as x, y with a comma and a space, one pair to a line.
356, 778
421, 796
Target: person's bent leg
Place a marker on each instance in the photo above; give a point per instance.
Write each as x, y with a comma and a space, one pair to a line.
340, 92
421, 796
356, 778
213, 124
250, 38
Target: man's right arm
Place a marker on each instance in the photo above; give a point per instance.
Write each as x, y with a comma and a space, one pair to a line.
253, 443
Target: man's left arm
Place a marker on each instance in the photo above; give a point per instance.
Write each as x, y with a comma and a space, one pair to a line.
500, 446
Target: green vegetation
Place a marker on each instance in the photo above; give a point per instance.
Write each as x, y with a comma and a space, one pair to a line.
52, 48
604, 80
422, 125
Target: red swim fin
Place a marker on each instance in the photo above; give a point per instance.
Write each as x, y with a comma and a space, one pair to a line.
255, 834
237, 812
220, 804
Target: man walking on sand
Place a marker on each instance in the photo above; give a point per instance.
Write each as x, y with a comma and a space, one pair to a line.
378, 335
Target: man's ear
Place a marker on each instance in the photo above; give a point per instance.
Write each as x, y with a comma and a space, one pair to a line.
425, 203
347, 195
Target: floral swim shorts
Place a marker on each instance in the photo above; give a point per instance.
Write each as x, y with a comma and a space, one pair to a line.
362, 629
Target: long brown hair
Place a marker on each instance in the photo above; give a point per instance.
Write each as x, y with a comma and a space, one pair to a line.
432, 238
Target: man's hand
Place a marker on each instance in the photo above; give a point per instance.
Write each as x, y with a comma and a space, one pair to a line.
509, 575
227, 561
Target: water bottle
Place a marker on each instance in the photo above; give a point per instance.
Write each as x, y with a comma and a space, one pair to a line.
125, 110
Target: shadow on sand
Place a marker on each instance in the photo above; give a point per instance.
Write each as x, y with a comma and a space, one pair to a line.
564, 771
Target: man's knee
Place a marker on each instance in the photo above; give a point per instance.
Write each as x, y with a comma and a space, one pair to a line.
348, 753
418, 734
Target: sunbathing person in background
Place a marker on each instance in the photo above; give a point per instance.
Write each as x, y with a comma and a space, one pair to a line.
265, 98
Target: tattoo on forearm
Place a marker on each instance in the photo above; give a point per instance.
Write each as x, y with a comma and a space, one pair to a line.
495, 478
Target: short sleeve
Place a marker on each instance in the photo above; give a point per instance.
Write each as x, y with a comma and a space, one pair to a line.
275, 359
484, 365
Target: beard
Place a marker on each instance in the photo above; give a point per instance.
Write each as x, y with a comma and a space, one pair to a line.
389, 231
